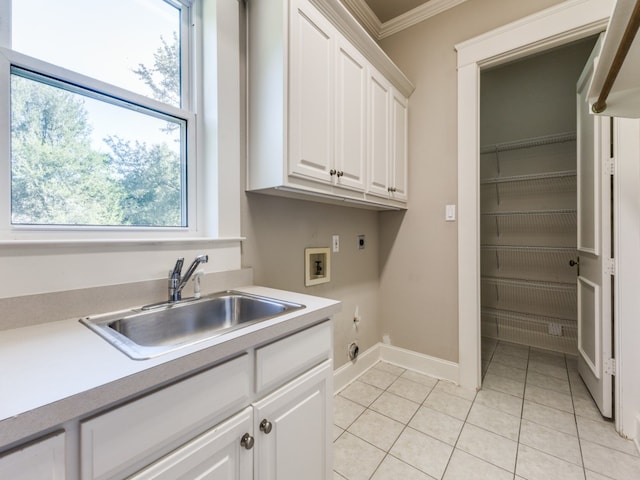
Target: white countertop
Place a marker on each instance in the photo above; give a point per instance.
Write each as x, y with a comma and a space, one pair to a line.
54, 372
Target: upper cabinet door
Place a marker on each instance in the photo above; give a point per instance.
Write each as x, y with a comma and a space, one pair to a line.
351, 128
311, 94
379, 123
398, 166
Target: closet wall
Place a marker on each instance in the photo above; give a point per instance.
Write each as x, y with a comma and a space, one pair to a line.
528, 199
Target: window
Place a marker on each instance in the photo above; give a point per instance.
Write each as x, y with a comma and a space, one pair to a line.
101, 122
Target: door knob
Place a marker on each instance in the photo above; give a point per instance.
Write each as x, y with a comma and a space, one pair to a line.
573, 263
266, 426
247, 441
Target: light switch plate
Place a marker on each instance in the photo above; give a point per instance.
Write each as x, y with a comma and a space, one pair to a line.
450, 213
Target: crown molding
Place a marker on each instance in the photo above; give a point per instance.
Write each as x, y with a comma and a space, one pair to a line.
365, 16
379, 30
417, 15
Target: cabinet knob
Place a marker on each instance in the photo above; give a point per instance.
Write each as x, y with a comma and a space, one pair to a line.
247, 441
266, 426
392, 189
339, 174
332, 172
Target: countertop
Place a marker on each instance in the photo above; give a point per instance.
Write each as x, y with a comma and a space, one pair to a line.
55, 372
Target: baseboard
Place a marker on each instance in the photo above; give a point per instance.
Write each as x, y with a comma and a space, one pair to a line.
402, 357
432, 366
347, 373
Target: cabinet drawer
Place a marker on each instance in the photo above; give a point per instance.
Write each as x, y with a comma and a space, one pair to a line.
131, 436
282, 360
44, 460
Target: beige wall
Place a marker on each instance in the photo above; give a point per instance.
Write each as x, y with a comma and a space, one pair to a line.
418, 253
534, 96
279, 229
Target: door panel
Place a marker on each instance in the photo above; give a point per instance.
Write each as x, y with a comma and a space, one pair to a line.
594, 246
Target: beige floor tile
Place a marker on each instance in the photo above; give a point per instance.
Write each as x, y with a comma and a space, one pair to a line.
395, 407
608, 462
390, 368
378, 378
514, 361
585, 407
553, 442
453, 389
337, 431
437, 424
393, 469
376, 429
595, 476
345, 411
536, 465
550, 383
422, 452
549, 398
450, 404
495, 449
550, 417
548, 357
420, 378
416, 392
495, 421
354, 458
503, 384
361, 393
604, 433
513, 349
506, 371
547, 369
500, 401
463, 466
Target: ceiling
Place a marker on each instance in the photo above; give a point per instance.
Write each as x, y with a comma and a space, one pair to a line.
382, 18
385, 10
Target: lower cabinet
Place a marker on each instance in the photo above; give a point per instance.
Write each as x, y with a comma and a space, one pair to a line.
266, 416
292, 425
285, 436
42, 460
218, 454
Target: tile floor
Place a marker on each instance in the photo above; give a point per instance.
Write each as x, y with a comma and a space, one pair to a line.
533, 419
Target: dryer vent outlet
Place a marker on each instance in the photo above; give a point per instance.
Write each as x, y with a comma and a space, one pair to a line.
353, 350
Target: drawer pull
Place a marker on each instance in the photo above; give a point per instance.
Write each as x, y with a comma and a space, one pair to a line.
266, 426
247, 441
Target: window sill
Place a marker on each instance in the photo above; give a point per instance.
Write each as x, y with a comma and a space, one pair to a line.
93, 242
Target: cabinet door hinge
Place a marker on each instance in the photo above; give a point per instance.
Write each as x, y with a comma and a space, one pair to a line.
610, 266
610, 166
610, 366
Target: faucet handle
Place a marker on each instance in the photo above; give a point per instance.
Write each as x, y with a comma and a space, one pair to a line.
177, 270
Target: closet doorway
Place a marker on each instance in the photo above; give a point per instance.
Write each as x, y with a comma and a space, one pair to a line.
528, 205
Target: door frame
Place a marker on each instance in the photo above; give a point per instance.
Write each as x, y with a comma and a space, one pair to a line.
564, 23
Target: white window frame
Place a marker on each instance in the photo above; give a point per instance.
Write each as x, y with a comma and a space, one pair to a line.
191, 86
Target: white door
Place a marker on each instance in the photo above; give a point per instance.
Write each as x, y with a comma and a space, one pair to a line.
293, 429
311, 82
351, 115
379, 147
218, 454
594, 247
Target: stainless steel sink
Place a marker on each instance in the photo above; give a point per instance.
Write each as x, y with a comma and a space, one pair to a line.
157, 329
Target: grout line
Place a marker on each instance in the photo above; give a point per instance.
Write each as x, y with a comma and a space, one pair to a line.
524, 393
575, 419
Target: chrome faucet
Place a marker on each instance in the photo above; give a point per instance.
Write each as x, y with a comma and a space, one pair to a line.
177, 281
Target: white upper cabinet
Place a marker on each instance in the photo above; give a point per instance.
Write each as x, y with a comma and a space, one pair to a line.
311, 92
351, 117
311, 103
